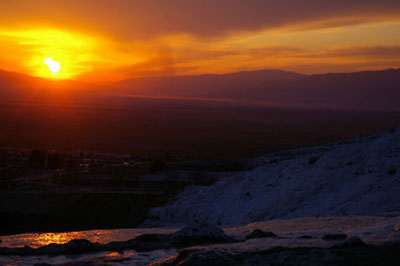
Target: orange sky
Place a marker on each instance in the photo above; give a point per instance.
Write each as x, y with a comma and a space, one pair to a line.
104, 41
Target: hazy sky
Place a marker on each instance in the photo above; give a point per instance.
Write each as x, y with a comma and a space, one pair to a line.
105, 40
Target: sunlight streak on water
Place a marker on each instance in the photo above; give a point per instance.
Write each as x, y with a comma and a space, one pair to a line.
36, 240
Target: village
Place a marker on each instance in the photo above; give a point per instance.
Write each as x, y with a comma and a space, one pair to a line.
44, 188
83, 170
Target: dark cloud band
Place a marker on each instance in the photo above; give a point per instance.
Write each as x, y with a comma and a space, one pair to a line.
133, 19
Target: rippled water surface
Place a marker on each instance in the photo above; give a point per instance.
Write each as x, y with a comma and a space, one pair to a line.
114, 258
36, 240
369, 228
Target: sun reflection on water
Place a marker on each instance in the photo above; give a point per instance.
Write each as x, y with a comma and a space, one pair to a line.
36, 240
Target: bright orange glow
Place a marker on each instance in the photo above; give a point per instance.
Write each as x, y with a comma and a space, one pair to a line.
53, 66
84, 56
58, 54
42, 46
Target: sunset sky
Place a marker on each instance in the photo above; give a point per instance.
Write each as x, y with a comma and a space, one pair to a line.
105, 41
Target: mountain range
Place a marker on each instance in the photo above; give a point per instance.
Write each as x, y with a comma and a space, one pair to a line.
367, 89
358, 90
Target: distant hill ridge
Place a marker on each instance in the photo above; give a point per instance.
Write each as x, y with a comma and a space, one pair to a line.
367, 89
358, 90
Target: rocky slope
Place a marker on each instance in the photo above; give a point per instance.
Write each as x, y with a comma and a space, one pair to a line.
357, 177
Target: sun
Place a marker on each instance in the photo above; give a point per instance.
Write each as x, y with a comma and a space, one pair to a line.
53, 65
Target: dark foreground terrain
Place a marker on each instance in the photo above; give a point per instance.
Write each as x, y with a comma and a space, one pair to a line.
340, 255
66, 211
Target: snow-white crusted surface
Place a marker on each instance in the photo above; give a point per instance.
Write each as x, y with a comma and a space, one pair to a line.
360, 177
